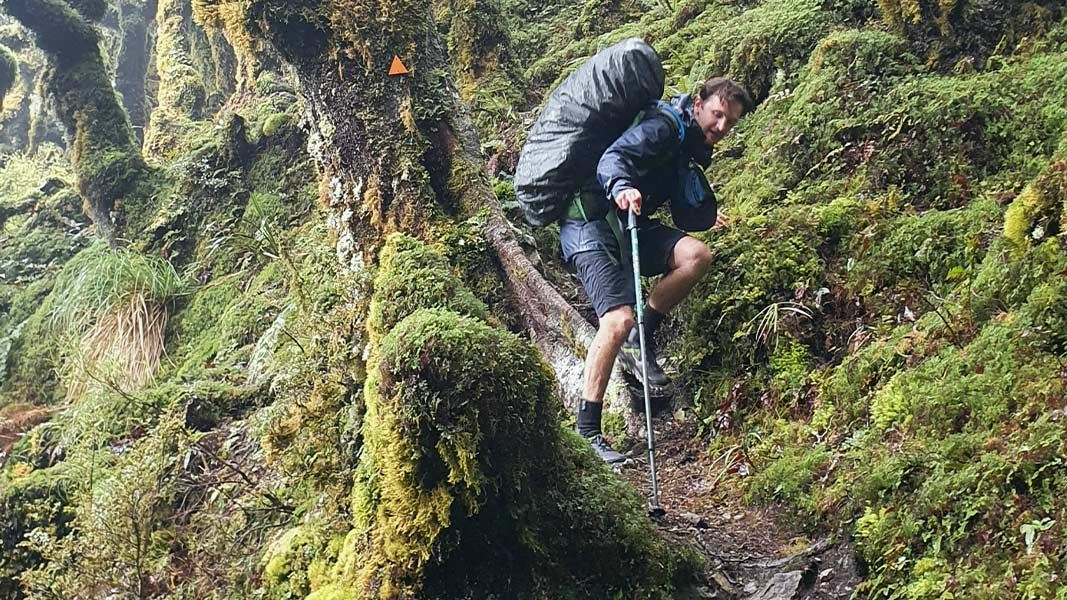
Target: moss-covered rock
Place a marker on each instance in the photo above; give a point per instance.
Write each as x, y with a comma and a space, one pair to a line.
466, 482
469, 485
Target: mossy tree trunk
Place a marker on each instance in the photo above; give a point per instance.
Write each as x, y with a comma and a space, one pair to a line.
378, 135
182, 95
104, 151
223, 20
480, 48
399, 152
131, 77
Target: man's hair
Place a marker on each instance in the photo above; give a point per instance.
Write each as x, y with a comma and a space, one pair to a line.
727, 91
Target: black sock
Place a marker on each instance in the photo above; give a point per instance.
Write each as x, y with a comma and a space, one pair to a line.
653, 318
589, 417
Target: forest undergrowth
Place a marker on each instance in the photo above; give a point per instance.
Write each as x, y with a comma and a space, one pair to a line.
879, 354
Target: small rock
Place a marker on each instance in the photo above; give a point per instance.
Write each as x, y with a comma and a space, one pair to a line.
826, 575
750, 588
51, 184
739, 516
694, 519
783, 586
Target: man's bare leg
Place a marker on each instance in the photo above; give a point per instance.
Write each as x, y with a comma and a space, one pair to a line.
615, 325
689, 261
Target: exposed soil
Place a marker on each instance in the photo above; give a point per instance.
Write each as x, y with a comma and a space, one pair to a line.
16, 420
751, 553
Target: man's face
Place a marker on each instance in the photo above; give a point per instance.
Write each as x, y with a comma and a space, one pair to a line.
716, 118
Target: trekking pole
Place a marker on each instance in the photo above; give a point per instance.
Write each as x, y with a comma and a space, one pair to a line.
654, 508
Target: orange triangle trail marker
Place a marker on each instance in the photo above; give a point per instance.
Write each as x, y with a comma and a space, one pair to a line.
397, 68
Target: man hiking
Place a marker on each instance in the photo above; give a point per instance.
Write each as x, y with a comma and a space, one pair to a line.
643, 169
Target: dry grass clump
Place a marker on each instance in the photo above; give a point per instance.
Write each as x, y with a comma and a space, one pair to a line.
112, 306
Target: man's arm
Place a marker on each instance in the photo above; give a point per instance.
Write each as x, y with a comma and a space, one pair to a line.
631, 157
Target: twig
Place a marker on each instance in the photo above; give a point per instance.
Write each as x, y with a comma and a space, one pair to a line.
278, 504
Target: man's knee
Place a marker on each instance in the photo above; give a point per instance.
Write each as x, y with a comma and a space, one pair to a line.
693, 254
618, 321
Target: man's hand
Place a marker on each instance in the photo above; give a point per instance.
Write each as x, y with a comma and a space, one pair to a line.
629, 198
720, 221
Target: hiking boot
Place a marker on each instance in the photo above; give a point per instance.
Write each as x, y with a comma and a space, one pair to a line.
630, 357
604, 450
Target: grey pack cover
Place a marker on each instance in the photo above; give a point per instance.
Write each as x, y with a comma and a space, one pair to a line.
587, 112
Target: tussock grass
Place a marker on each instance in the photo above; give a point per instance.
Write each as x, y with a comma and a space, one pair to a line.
112, 306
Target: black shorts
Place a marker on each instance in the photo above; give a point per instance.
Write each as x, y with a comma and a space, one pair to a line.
603, 267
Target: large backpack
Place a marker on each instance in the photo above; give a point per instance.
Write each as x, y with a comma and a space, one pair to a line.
587, 112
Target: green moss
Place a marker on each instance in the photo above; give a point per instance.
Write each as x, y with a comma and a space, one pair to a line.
334, 592
308, 438
1006, 277
790, 363
197, 324
937, 27
1037, 213
932, 137
274, 123
32, 362
737, 311
843, 394
470, 255
39, 500
9, 70
947, 436
931, 250
222, 321
410, 277
454, 479
1046, 311
285, 564
751, 47
790, 478
457, 441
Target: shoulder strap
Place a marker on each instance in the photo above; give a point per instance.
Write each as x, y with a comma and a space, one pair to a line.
673, 116
664, 108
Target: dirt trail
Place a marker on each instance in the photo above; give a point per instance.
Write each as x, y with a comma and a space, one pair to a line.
752, 553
